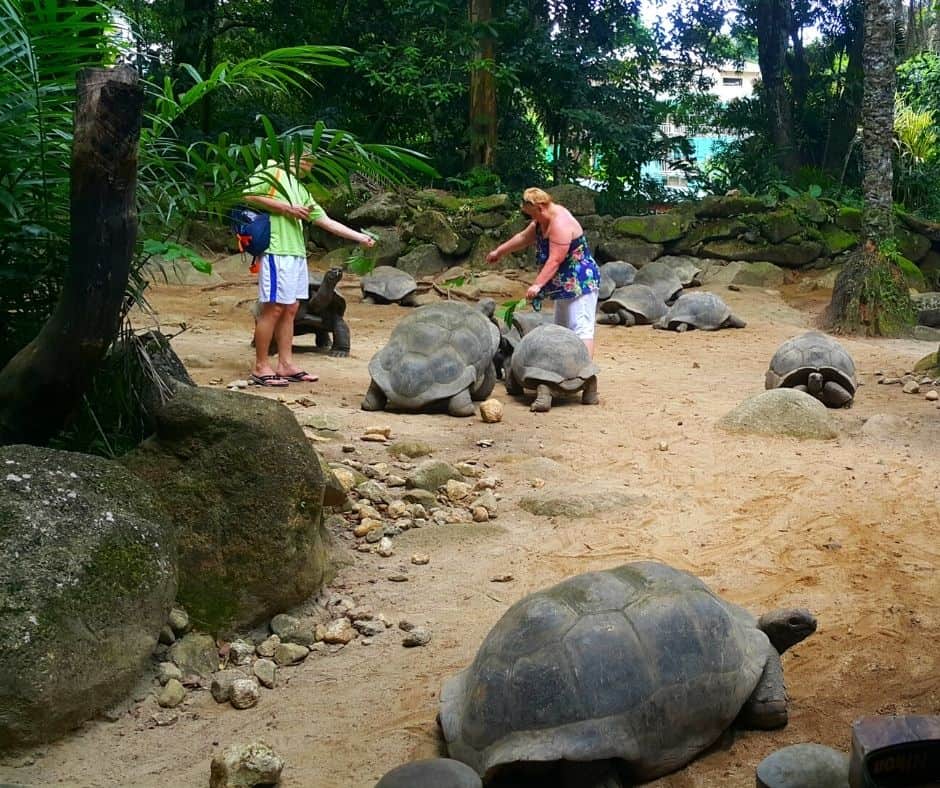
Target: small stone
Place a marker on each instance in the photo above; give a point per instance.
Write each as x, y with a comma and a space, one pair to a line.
195, 653
238, 384
221, 686
167, 671
537, 483
486, 483
420, 559
345, 477
268, 646
394, 481
178, 620
410, 449
375, 535
502, 579
172, 694
405, 625
245, 693
491, 411
485, 443
399, 578
381, 617
932, 395
480, 515
359, 614
383, 430
290, 653
488, 502
419, 636
662, 446
398, 509
470, 469
367, 510
366, 526
240, 652
735, 288
373, 437
266, 672
369, 628
890, 381
385, 548
337, 631
348, 448
163, 719
244, 765
392, 530
911, 387
457, 491
372, 491
362, 547
166, 636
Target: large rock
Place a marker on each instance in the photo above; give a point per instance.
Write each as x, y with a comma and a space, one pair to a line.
388, 246
433, 226
577, 199
629, 250
246, 766
782, 411
432, 474
790, 255
550, 504
808, 208
804, 766
656, 228
924, 227
383, 209
760, 274
930, 268
837, 239
849, 219
723, 207
777, 226
912, 245
178, 272
423, 260
88, 580
711, 230
245, 490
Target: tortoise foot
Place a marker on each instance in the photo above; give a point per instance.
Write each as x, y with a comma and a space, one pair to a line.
543, 400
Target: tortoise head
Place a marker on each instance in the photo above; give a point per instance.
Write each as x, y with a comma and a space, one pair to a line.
331, 277
815, 383
787, 627
487, 306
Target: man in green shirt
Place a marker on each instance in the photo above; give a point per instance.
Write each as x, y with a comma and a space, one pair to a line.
283, 277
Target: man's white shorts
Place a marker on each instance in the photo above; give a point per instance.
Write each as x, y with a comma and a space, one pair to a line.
578, 314
283, 279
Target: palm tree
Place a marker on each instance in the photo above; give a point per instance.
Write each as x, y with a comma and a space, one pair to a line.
870, 294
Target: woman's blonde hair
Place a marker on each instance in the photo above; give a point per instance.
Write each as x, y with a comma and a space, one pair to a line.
537, 197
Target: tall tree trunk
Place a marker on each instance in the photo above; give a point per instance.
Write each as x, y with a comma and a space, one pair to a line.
870, 293
41, 385
483, 91
773, 24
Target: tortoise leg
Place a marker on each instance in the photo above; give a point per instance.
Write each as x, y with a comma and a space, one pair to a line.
341, 341
323, 340
626, 318
589, 392
485, 387
513, 386
368, 300
835, 396
735, 322
766, 709
682, 327
409, 300
375, 398
461, 404
608, 319
543, 400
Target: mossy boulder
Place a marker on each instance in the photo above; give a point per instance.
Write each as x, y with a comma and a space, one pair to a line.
432, 226
245, 490
491, 202
384, 209
711, 230
913, 246
89, 577
440, 199
423, 260
808, 208
776, 226
789, 255
656, 228
924, 227
930, 268
629, 250
837, 239
722, 207
759, 274
849, 219
912, 275
577, 199
929, 364
388, 245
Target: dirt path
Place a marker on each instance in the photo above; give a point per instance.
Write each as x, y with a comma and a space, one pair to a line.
848, 528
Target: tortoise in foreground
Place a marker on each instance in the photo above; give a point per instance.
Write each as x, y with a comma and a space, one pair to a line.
441, 354
642, 664
554, 361
613, 275
633, 305
815, 363
699, 310
387, 284
664, 281
321, 313
511, 336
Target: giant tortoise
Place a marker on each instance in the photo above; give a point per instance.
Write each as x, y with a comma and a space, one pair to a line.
554, 361
664, 281
631, 306
699, 310
386, 284
441, 354
615, 274
815, 363
642, 664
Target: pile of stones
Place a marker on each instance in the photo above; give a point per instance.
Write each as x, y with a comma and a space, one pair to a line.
913, 383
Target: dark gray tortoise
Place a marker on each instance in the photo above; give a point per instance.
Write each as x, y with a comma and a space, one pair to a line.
815, 363
642, 665
441, 354
511, 336
699, 310
386, 284
659, 276
431, 773
633, 305
686, 268
554, 361
615, 274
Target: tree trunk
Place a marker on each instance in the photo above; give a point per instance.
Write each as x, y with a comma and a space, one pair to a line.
483, 91
42, 385
848, 112
773, 24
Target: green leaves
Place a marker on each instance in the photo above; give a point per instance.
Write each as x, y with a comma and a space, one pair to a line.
507, 309
176, 251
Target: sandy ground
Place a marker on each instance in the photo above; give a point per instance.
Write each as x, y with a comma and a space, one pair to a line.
848, 528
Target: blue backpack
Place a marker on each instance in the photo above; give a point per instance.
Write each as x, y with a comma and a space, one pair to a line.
252, 230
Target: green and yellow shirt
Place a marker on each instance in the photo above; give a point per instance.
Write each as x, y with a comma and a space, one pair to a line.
287, 233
